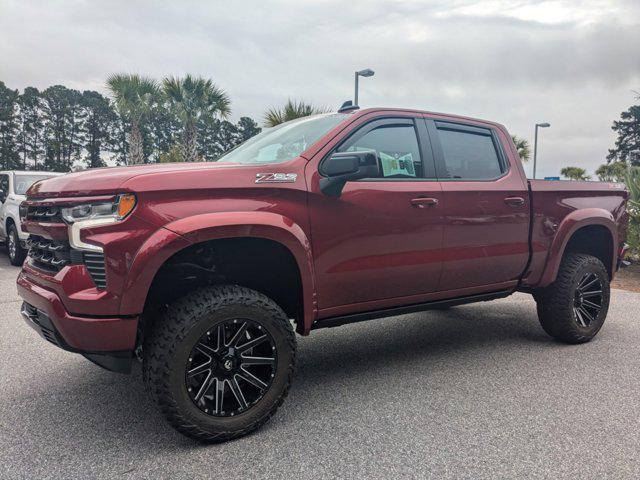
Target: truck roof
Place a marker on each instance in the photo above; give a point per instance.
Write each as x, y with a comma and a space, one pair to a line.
450, 116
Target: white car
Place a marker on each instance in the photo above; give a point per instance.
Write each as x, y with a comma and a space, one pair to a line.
13, 186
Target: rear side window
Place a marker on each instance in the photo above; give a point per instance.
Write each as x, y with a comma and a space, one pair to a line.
470, 153
397, 149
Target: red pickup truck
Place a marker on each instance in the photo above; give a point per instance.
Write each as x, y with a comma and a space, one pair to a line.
203, 271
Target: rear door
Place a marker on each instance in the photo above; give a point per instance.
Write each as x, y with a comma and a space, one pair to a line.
485, 206
381, 239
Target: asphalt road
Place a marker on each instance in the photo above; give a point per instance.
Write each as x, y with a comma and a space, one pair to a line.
475, 392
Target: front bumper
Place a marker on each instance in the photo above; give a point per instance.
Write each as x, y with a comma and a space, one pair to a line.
107, 341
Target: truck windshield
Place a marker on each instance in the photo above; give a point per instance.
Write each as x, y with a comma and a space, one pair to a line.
23, 182
283, 142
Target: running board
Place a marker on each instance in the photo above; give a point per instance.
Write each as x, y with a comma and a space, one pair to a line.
418, 307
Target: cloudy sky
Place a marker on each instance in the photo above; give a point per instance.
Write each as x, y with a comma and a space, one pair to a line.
571, 63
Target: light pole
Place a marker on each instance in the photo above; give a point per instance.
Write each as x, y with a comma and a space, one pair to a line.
367, 72
535, 146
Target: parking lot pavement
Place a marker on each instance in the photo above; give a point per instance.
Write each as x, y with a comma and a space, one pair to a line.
478, 391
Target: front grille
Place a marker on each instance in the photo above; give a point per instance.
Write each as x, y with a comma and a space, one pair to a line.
52, 256
50, 214
49, 255
95, 265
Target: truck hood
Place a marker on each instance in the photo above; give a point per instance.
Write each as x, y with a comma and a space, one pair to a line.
106, 181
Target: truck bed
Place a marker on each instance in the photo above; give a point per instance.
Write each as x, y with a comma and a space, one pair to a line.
559, 208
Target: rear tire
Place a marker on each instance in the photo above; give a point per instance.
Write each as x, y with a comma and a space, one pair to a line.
236, 388
574, 307
16, 253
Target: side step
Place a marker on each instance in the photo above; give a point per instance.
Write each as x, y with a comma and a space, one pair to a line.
418, 307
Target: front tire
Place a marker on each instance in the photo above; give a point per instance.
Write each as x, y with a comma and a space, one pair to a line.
574, 307
16, 253
219, 362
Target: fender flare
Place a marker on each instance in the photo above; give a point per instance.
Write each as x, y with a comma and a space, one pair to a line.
570, 225
182, 233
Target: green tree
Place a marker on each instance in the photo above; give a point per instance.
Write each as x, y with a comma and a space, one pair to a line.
99, 128
247, 128
612, 172
632, 179
219, 136
135, 97
31, 127
227, 137
162, 130
172, 156
290, 111
575, 173
194, 99
523, 148
9, 148
62, 117
120, 145
628, 141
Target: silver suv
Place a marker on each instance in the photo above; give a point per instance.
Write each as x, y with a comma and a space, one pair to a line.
13, 186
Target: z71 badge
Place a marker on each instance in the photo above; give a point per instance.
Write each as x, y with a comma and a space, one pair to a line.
276, 177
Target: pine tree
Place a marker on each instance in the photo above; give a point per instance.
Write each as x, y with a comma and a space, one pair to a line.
247, 128
628, 141
63, 117
99, 128
9, 129
31, 128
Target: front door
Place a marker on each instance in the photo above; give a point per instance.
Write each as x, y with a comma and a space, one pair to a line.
381, 239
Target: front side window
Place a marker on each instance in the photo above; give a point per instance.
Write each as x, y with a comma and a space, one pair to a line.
469, 154
396, 147
283, 142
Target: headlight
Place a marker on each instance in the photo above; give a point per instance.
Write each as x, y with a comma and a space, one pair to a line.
95, 215
116, 210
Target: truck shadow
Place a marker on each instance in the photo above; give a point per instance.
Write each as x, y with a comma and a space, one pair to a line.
84, 409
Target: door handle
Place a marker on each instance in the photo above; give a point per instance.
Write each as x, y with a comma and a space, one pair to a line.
514, 201
422, 202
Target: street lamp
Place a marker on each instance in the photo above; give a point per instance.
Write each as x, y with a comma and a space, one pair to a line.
367, 72
535, 146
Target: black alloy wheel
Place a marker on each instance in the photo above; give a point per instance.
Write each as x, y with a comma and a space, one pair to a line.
219, 361
574, 307
231, 367
588, 299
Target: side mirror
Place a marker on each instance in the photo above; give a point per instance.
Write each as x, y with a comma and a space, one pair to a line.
343, 167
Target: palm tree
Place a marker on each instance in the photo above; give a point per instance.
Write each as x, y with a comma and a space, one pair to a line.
612, 172
291, 110
575, 173
134, 96
194, 98
523, 148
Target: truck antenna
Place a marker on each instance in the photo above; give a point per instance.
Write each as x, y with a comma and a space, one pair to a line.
347, 107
